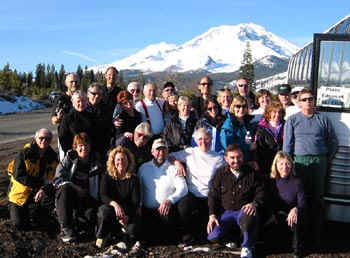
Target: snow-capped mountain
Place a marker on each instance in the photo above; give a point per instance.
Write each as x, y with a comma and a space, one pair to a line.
220, 49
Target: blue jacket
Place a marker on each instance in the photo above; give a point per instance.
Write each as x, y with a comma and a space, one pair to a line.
232, 132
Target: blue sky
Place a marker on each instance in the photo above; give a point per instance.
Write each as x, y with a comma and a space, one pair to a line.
98, 32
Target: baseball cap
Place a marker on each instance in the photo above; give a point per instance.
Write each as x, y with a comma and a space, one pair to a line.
297, 89
284, 89
159, 143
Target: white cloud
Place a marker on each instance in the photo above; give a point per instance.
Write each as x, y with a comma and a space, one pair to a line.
82, 56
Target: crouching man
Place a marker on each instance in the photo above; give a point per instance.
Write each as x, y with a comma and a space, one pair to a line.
237, 190
161, 189
31, 176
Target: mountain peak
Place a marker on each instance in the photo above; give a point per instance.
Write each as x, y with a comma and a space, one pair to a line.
220, 49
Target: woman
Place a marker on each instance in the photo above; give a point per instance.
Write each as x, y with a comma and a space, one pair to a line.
179, 129
269, 136
225, 100
262, 99
77, 182
125, 116
170, 107
287, 199
120, 193
238, 128
211, 120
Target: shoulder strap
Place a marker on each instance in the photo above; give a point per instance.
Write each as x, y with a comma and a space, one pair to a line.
146, 111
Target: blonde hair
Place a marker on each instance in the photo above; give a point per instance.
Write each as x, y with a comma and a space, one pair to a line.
111, 169
238, 100
221, 92
280, 155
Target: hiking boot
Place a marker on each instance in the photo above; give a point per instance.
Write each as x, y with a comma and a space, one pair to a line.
246, 252
68, 235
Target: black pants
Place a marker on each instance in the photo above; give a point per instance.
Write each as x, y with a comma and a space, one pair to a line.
194, 213
39, 212
68, 201
107, 222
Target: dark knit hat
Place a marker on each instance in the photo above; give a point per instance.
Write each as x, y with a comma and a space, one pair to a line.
284, 89
168, 84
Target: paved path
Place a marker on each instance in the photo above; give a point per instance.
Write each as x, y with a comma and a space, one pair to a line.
19, 126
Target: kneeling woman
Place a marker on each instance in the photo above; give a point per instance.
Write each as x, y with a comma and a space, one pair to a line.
120, 193
77, 182
288, 199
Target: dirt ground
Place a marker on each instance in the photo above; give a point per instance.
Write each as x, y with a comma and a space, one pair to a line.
39, 242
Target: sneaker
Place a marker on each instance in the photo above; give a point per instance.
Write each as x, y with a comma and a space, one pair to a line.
136, 248
231, 245
99, 242
121, 246
246, 252
68, 235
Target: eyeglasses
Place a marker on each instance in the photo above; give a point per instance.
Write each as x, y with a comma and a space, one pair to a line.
169, 89
42, 138
94, 93
132, 91
204, 83
240, 106
242, 85
310, 99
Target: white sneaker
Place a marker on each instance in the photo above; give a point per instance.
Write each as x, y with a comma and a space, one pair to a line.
232, 245
246, 252
121, 246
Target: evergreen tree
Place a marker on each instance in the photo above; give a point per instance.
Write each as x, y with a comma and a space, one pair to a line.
40, 80
246, 69
5, 77
80, 73
61, 78
30, 79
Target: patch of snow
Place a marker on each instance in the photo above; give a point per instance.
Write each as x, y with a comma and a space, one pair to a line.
21, 104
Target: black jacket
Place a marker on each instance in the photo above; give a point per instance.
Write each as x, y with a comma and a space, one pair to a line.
176, 137
110, 99
73, 123
230, 193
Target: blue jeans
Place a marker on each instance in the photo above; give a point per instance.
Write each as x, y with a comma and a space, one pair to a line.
230, 218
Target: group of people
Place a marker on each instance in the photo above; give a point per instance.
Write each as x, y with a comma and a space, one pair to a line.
172, 167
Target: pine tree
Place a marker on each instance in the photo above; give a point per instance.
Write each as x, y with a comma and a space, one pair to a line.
80, 73
246, 69
5, 77
61, 78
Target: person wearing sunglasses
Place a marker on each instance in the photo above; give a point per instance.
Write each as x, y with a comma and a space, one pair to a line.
309, 137
212, 119
31, 174
125, 116
204, 86
99, 112
238, 128
135, 89
262, 99
295, 108
244, 90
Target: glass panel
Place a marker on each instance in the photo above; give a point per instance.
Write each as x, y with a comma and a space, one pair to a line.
334, 74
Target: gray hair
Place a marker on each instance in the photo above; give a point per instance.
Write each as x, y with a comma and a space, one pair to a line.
37, 133
201, 130
97, 85
133, 84
145, 127
183, 99
79, 94
150, 84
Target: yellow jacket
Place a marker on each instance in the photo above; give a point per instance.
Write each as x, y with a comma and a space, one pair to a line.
29, 172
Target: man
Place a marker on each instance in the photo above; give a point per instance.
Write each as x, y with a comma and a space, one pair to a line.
76, 121
309, 137
238, 191
151, 108
99, 115
284, 95
244, 90
168, 89
138, 143
31, 176
63, 103
161, 189
204, 86
202, 164
135, 89
295, 108
112, 90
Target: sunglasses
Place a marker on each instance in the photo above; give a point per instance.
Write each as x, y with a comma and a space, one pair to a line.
94, 93
132, 91
307, 99
242, 85
169, 89
240, 106
212, 108
204, 83
41, 138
